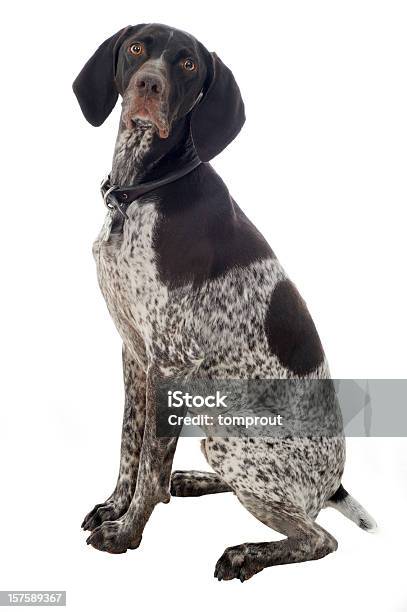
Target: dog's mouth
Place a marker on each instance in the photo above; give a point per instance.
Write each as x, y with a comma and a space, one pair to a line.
144, 114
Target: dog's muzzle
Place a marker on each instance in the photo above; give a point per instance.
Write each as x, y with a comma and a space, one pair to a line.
146, 98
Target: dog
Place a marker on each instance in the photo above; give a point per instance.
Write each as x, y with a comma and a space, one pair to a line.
194, 289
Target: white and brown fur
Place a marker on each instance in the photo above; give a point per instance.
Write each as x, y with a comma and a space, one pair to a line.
232, 315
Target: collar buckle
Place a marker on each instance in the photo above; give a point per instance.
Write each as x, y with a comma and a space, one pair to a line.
106, 189
109, 199
104, 185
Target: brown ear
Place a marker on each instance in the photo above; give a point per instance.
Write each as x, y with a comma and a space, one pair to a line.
219, 116
94, 86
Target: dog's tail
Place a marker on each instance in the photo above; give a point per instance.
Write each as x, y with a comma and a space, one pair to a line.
352, 509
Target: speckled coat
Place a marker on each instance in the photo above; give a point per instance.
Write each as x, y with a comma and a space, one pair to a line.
194, 290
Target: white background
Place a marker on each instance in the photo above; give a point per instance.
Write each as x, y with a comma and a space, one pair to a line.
320, 168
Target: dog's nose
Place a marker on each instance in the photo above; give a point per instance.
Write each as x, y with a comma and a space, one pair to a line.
149, 85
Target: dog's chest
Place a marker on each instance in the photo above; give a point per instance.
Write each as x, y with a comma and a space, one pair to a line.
129, 278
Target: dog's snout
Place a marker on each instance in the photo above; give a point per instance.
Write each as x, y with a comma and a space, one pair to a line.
149, 85
146, 98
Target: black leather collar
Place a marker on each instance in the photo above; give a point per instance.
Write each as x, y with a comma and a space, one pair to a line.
117, 199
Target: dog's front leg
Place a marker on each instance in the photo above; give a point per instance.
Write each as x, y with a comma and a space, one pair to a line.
153, 483
132, 435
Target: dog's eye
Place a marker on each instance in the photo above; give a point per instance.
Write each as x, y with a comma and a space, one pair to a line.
136, 48
189, 65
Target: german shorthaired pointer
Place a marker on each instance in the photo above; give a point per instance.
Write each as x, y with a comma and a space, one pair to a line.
194, 288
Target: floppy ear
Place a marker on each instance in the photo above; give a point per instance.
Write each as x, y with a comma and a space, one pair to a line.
219, 116
94, 86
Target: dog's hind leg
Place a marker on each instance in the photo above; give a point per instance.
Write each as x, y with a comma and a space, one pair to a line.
195, 484
283, 482
305, 541
132, 435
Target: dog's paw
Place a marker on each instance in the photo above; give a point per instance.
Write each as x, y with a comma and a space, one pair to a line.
109, 511
113, 537
181, 485
237, 562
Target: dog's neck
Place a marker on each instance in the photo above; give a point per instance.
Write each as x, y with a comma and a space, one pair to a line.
140, 155
128, 165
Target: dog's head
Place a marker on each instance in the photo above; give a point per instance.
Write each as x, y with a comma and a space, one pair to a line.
163, 75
